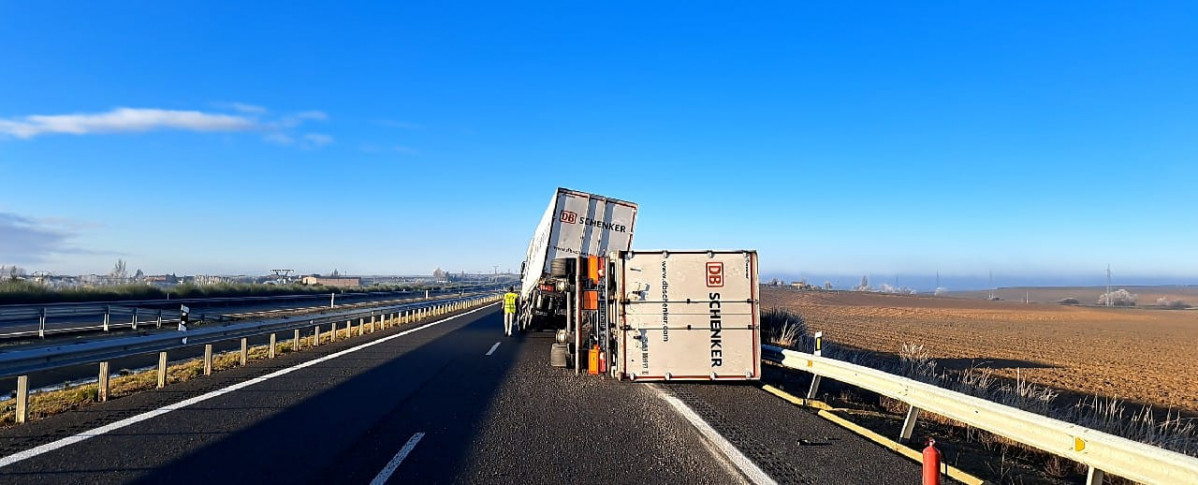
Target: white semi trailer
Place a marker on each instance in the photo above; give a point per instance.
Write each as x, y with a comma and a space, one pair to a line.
575, 224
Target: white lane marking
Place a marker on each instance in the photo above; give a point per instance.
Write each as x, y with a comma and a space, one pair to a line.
738, 459
493, 347
392, 465
70, 440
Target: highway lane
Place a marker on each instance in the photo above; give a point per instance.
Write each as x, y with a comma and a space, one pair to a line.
463, 416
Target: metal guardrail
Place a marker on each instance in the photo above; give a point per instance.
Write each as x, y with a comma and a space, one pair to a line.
1100, 451
22, 362
42, 320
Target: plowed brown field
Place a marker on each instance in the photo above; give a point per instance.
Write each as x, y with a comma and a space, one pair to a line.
1148, 356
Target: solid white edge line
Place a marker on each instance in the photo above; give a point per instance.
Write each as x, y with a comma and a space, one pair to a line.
70, 440
393, 465
493, 347
746, 466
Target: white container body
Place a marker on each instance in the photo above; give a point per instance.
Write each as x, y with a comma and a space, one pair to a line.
577, 223
688, 315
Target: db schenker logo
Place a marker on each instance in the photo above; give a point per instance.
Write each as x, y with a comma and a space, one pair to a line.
715, 274
569, 217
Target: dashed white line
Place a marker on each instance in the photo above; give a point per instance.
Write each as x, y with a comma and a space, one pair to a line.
70, 440
493, 347
392, 465
746, 466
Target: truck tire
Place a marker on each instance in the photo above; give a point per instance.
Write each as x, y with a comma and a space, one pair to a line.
560, 267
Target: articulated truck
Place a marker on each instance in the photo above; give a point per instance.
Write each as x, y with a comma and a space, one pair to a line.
638, 315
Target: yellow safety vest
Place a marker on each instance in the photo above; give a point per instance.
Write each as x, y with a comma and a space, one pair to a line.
509, 302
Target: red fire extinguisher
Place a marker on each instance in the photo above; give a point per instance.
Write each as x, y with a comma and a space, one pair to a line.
931, 464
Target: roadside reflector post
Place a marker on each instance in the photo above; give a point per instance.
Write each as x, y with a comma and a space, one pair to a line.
134, 322
22, 399
909, 424
272, 345
208, 359
159, 319
245, 351
819, 348
102, 383
1095, 476
41, 324
161, 370
332, 300
296, 342
107, 314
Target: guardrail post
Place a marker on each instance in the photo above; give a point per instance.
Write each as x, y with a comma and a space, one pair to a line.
1095, 476
316, 336
245, 351
22, 399
161, 370
107, 314
208, 359
909, 424
296, 346
272, 345
41, 324
362, 326
102, 383
372, 322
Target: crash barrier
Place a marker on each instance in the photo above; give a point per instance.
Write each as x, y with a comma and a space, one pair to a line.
25, 321
22, 362
1103, 453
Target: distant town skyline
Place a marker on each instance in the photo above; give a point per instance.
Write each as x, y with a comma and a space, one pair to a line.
1034, 140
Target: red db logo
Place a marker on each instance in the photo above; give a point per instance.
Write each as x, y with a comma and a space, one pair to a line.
715, 275
569, 217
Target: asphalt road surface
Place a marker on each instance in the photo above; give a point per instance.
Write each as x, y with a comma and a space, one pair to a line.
442, 404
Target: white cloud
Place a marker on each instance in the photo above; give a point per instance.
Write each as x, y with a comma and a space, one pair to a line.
291, 121
248, 108
28, 240
279, 137
125, 120
317, 140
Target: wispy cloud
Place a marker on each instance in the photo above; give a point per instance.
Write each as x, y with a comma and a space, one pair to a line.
317, 140
294, 120
26, 240
278, 137
247, 118
124, 120
252, 109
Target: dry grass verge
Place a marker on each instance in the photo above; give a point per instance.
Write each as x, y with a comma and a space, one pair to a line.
128, 382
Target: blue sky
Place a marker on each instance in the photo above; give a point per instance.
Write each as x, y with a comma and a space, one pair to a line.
1032, 139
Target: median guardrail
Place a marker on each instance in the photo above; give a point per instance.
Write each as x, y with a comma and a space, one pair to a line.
1102, 452
21, 362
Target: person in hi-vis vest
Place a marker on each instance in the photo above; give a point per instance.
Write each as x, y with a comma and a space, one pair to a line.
509, 310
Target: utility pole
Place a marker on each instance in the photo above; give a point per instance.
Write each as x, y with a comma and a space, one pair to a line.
991, 285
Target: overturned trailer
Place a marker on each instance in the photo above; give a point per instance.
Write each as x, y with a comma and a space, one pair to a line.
576, 224
663, 315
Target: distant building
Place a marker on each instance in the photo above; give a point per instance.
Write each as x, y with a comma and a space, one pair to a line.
333, 282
